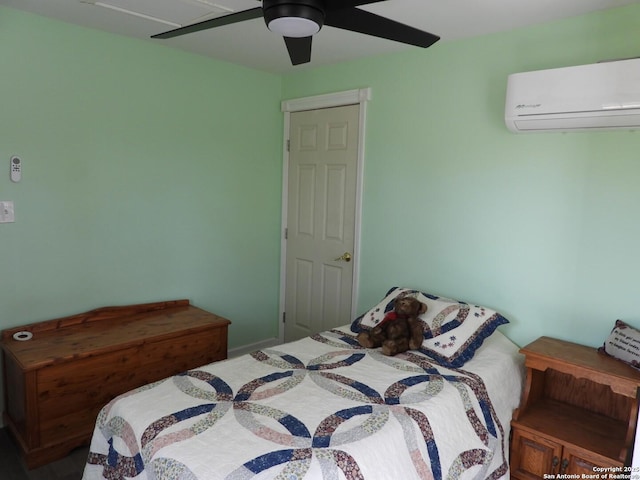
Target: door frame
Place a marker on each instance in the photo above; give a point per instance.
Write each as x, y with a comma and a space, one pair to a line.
349, 97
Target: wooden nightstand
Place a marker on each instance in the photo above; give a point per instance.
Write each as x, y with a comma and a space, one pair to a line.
55, 383
578, 411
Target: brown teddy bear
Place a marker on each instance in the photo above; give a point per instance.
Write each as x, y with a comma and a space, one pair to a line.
400, 330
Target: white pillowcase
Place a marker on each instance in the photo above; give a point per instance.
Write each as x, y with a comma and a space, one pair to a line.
453, 330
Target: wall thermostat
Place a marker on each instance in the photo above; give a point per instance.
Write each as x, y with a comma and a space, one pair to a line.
16, 169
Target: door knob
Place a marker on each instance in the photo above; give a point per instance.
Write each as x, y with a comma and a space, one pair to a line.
346, 257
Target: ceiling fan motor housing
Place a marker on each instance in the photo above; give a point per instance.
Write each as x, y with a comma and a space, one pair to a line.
312, 10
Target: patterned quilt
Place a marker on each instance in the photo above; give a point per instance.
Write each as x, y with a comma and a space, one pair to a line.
319, 408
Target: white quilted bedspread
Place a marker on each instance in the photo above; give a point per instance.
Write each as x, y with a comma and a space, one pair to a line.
318, 408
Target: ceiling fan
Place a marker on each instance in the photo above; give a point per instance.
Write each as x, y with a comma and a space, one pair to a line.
298, 20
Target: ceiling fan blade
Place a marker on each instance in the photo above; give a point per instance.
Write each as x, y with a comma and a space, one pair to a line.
361, 21
212, 23
299, 49
339, 4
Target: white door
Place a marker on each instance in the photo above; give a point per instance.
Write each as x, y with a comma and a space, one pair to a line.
323, 159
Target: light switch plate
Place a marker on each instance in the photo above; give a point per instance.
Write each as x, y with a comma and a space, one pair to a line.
6, 212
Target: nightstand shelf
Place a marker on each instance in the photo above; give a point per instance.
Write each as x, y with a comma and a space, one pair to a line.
578, 411
576, 427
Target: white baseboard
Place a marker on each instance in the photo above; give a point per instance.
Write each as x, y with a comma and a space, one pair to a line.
268, 343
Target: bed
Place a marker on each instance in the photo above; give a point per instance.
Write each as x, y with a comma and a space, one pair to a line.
325, 408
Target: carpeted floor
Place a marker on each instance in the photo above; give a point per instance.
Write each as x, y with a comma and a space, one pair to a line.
12, 467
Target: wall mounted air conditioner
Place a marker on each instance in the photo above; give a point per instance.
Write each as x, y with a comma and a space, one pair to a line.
585, 97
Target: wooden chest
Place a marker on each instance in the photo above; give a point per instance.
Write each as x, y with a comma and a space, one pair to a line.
56, 383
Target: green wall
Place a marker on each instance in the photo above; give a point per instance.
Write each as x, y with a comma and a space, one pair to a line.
153, 174
543, 227
148, 174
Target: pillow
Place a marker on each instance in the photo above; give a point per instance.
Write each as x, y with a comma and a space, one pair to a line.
623, 343
453, 330
457, 346
442, 313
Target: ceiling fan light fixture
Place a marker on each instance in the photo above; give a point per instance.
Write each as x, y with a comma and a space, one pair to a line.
295, 27
303, 18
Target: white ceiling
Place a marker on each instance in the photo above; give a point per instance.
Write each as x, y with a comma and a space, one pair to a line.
250, 43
